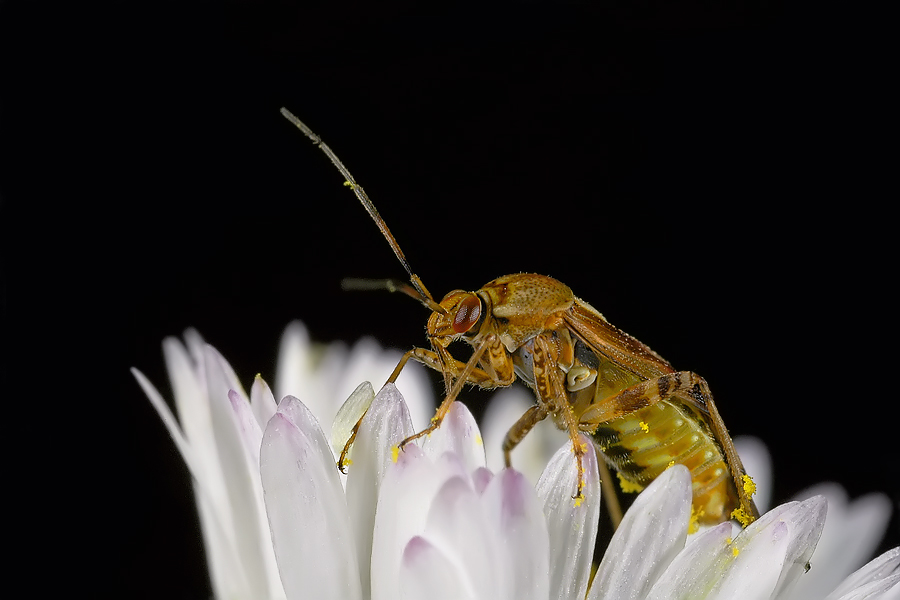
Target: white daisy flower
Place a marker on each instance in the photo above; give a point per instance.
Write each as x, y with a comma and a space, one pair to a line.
278, 523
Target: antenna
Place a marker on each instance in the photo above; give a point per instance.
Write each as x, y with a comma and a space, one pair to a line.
367, 204
391, 285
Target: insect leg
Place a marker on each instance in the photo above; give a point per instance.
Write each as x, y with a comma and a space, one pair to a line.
463, 378
520, 429
432, 359
642, 395
552, 398
342, 460
738, 473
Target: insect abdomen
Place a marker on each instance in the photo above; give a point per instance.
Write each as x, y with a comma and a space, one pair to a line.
643, 444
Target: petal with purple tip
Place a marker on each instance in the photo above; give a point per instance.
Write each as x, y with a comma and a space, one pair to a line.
306, 508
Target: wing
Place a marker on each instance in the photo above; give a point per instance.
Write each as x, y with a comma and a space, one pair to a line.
588, 324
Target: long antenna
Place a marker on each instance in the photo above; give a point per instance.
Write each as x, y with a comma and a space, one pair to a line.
364, 199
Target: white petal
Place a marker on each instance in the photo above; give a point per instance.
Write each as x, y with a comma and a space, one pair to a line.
407, 492
192, 404
496, 542
187, 374
460, 529
195, 345
425, 572
572, 527
754, 572
171, 424
294, 363
758, 464
224, 374
327, 376
650, 536
226, 574
884, 589
806, 525
349, 414
198, 448
242, 479
306, 508
481, 478
262, 402
772, 552
687, 576
878, 576
385, 425
516, 514
249, 431
458, 433
852, 532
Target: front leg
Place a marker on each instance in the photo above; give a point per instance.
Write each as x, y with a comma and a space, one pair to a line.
490, 348
503, 374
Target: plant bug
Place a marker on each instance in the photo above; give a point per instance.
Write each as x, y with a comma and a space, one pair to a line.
587, 375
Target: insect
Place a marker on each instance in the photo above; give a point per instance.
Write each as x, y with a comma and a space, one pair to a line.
587, 375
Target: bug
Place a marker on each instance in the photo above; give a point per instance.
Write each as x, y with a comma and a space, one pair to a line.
587, 375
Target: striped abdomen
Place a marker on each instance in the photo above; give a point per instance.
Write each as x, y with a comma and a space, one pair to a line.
643, 444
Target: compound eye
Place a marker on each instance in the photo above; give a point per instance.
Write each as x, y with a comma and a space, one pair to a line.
467, 314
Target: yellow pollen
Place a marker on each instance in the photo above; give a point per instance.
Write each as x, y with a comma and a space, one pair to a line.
479, 441
579, 447
350, 185
741, 516
348, 462
644, 427
395, 453
735, 551
694, 521
749, 485
629, 487
671, 464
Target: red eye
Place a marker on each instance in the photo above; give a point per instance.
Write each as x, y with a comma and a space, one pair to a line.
467, 314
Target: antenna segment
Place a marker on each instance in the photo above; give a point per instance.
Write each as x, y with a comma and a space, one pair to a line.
367, 204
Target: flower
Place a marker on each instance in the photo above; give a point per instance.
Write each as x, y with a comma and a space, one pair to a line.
280, 522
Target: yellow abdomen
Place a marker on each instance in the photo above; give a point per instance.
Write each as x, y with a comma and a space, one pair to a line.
643, 444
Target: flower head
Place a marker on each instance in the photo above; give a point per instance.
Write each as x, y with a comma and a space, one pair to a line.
279, 520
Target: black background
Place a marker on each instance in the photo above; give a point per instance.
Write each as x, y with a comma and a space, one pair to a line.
712, 179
